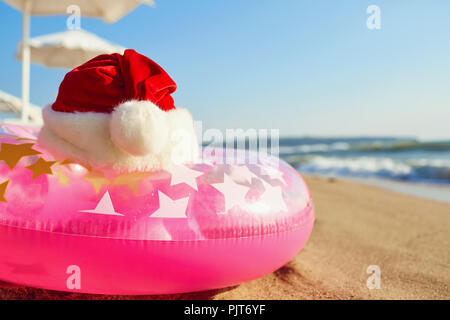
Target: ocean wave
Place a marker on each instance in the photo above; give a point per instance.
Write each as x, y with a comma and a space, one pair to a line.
309, 148
404, 146
427, 170
373, 146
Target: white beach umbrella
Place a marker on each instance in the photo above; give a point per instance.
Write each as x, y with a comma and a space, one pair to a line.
10, 104
108, 10
68, 49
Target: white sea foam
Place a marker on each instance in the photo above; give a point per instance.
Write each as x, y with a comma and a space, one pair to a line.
417, 169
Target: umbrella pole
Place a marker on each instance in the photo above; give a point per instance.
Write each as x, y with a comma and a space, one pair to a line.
26, 61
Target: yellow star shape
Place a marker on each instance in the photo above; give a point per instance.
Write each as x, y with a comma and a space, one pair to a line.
132, 180
66, 161
3, 186
41, 167
25, 139
97, 179
62, 178
12, 153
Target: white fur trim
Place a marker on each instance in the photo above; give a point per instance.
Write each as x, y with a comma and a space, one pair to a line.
139, 128
137, 136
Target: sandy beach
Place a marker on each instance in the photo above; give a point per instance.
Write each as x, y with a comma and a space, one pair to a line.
357, 225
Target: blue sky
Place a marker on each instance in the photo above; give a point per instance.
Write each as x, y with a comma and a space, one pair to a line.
306, 67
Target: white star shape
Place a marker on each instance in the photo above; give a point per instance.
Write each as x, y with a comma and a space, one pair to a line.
104, 206
181, 173
272, 173
273, 198
234, 194
169, 208
243, 173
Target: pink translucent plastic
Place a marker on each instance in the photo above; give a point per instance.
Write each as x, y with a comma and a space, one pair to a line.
149, 233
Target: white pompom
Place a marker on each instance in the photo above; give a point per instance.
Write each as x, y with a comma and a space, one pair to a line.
139, 128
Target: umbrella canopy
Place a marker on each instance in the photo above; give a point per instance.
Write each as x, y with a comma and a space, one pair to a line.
109, 10
10, 104
68, 49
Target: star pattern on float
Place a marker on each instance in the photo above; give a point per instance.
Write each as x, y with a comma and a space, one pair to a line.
272, 173
234, 193
132, 180
169, 208
237, 182
184, 174
24, 139
104, 206
244, 173
41, 167
3, 187
66, 162
273, 196
12, 153
97, 179
62, 178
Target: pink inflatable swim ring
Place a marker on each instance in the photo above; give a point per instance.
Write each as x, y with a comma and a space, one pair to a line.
207, 225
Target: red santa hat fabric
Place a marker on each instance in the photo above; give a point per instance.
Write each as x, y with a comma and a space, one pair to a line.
108, 80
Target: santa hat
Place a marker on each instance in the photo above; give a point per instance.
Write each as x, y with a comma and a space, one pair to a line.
116, 111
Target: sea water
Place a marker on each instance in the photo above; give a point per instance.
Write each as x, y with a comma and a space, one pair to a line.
382, 161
